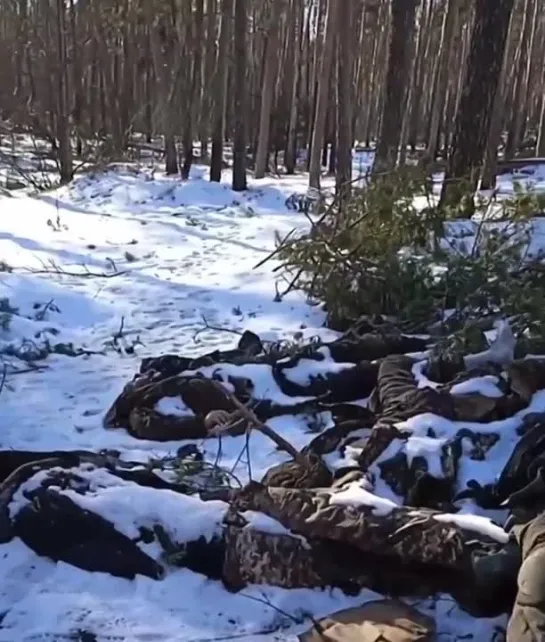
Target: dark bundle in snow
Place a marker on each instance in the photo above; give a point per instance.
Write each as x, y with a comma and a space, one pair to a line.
392, 495
94, 516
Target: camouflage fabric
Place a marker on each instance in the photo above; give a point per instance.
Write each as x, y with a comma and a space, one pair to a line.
164, 376
526, 377
324, 544
520, 470
397, 397
400, 398
527, 622
54, 526
135, 407
370, 346
525, 460
406, 534
382, 435
291, 474
254, 556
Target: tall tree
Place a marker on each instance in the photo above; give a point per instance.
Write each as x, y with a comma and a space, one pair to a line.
268, 86
298, 24
240, 99
345, 61
324, 79
399, 60
440, 84
476, 104
162, 40
220, 93
66, 167
194, 81
490, 164
521, 76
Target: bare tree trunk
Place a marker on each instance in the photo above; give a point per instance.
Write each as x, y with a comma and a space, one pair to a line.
324, 77
148, 90
267, 93
540, 143
330, 144
474, 113
220, 92
166, 88
241, 101
522, 71
421, 49
209, 70
345, 63
317, 60
370, 92
488, 180
441, 78
194, 88
413, 94
540, 151
400, 47
76, 80
291, 145
66, 167
535, 60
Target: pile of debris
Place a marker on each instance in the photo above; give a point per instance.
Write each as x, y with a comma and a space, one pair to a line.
401, 513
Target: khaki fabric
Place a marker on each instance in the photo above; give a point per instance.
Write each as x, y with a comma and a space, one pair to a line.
380, 621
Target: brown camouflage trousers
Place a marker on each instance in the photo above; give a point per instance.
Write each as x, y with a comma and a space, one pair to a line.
527, 622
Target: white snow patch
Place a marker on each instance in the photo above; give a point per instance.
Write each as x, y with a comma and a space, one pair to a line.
486, 386
308, 369
427, 447
475, 523
355, 495
173, 407
261, 376
128, 505
421, 379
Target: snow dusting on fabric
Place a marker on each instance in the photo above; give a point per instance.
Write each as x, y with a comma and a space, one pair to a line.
128, 264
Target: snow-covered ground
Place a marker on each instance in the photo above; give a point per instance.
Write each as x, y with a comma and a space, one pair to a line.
122, 266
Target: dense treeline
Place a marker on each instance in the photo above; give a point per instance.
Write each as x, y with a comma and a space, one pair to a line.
433, 78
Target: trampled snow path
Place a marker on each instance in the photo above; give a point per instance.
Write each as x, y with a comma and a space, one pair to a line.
187, 251
192, 250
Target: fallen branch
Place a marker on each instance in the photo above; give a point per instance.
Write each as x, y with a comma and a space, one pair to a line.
86, 274
4, 375
208, 326
31, 368
266, 601
238, 636
40, 315
254, 422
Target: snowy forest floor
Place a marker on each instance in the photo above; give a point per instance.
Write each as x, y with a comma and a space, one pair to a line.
124, 265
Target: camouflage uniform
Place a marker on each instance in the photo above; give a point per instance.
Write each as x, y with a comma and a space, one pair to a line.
527, 622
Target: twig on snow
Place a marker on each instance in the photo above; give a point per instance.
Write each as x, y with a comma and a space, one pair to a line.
40, 315
34, 368
249, 415
209, 326
86, 274
265, 600
248, 457
50, 267
238, 636
119, 334
4, 375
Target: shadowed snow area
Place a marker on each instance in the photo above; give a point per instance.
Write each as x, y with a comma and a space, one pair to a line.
129, 264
